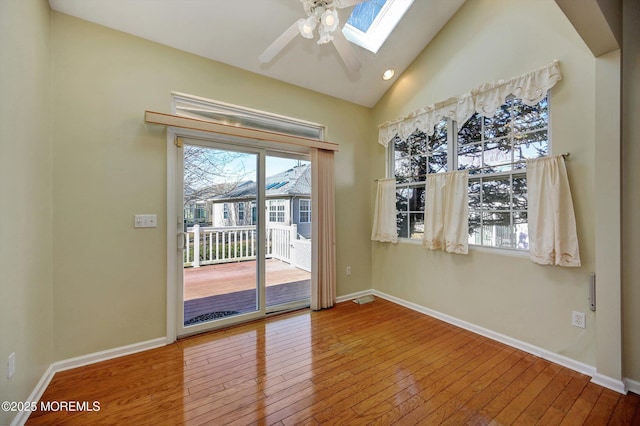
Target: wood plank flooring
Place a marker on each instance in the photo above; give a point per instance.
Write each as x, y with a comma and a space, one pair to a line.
377, 364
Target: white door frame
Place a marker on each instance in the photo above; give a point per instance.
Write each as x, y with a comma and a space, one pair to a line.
175, 213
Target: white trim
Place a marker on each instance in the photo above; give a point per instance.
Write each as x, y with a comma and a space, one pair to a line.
632, 386
523, 254
22, 416
349, 297
171, 120
173, 217
505, 251
182, 101
609, 383
105, 355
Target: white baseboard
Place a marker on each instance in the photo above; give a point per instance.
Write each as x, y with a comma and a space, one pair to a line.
609, 383
633, 386
80, 361
352, 296
22, 416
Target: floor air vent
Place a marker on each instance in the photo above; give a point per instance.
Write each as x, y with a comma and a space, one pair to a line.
364, 299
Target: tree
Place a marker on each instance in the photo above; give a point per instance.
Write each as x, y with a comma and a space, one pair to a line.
210, 172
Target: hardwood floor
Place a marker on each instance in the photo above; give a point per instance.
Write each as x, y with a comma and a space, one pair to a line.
378, 363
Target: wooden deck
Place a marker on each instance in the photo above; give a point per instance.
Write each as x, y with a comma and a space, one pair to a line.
236, 276
378, 363
216, 291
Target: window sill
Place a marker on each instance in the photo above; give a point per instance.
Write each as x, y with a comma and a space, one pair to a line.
500, 251
479, 249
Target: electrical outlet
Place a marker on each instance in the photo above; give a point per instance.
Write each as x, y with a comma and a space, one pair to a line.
578, 319
11, 365
348, 270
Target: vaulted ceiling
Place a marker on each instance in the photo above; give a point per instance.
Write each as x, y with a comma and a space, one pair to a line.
236, 32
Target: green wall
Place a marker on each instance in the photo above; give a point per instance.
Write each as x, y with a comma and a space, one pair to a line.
26, 308
109, 278
485, 41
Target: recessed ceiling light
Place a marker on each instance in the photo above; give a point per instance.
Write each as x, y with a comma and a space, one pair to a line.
388, 74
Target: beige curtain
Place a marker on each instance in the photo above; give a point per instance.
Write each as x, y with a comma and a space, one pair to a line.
446, 212
384, 215
323, 283
552, 224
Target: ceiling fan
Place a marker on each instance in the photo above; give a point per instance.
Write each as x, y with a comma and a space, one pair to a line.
324, 15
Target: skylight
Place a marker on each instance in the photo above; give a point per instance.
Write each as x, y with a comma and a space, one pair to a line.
365, 13
371, 22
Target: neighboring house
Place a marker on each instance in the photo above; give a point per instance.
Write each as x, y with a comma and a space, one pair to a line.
288, 202
197, 210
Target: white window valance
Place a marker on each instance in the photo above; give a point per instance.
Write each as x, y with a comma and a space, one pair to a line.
484, 100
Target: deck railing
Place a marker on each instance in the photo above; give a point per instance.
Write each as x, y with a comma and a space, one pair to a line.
208, 245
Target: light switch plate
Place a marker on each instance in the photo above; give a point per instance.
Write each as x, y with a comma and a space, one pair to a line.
145, 221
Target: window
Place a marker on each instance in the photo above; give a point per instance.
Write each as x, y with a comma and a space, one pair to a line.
200, 214
305, 211
254, 213
240, 211
225, 211
413, 159
494, 150
276, 211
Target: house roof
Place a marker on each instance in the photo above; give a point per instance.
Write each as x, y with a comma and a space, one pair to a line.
293, 182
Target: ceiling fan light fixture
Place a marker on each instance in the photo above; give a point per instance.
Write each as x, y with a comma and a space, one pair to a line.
325, 36
330, 20
388, 74
306, 27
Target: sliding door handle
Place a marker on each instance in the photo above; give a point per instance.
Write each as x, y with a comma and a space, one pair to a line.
181, 240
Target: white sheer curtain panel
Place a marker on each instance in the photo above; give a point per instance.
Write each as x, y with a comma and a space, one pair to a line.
323, 285
384, 215
552, 224
446, 212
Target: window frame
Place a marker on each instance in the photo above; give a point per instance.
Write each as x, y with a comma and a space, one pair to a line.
241, 211
452, 165
277, 208
306, 210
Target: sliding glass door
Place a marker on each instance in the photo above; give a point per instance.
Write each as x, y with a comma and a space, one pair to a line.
287, 232
244, 235
221, 251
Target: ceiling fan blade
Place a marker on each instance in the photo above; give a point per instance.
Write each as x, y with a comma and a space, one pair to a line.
346, 51
341, 4
279, 43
